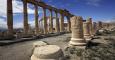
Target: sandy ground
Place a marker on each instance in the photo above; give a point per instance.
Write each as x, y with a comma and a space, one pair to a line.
23, 50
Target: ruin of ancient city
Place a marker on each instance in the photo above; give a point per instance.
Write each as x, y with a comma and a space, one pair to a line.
57, 29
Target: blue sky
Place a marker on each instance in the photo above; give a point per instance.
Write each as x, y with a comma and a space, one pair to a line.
99, 10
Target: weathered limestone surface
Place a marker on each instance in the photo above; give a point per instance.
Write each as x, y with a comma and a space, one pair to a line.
77, 31
47, 52
86, 31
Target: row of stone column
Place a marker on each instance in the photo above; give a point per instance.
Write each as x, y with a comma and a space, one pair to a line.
82, 32
59, 25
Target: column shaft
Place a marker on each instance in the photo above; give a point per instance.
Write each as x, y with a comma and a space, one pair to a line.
45, 21
26, 25
77, 31
86, 31
9, 17
51, 22
99, 26
94, 27
61, 23
90, 25
36, 20
69, 24
86, 28
57, 22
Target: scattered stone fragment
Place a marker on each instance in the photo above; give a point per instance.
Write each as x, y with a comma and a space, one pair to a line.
47, 52
39, 43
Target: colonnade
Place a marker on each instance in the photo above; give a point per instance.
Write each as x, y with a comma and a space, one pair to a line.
59, 24
89, 27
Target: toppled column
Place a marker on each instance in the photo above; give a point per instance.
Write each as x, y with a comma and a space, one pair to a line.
77, 38
86, 31
47, 52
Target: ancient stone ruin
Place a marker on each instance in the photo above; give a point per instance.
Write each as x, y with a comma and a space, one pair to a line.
81, 31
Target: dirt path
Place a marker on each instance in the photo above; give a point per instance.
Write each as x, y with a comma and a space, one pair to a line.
23, 50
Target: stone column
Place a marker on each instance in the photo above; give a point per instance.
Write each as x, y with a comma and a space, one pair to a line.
94, 28
36, 20
51, 21
57, 22
99, 26
41, 27
61, 22
45, 21
89, 20
26, 26
69, 24
108, 26
86, 31
9, 17
77, 32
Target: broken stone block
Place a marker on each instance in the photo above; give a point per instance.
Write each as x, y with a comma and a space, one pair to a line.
39, 43
47, 52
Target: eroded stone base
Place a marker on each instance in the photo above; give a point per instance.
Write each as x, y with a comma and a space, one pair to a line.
77, 42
